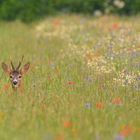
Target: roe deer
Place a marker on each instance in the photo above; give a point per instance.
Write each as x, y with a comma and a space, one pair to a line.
15, 74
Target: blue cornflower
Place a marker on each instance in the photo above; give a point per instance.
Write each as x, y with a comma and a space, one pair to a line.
88, 105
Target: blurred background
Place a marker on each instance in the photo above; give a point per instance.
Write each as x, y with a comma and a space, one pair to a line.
29, 10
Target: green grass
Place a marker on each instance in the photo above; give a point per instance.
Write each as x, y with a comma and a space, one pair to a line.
72, 48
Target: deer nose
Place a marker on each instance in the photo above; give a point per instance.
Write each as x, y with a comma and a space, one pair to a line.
14, 82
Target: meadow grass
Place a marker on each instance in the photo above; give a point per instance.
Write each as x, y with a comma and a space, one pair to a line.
83, 83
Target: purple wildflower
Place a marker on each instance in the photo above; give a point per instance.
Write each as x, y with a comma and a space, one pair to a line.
133, 54
138, 78
89, 79
118, 137
110, 47
88, 105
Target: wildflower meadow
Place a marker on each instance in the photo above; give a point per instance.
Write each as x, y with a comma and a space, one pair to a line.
83, 82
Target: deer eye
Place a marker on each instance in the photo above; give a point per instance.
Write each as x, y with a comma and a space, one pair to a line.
11, 76
19, 76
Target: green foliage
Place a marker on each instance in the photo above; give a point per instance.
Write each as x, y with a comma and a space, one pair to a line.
132, 7
25, 10
28, 10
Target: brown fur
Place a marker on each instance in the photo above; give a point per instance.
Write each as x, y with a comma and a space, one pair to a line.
15, 74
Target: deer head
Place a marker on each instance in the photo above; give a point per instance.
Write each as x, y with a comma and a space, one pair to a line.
16, 73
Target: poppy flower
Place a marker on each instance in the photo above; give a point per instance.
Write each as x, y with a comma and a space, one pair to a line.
138, 46
116, 101
70, 82
115, 25
129, 49
99, 105
138, 130
67, 123
125, 130
6, 86
88, 56
56, 22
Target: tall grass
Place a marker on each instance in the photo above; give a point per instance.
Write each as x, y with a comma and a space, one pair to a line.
83, 81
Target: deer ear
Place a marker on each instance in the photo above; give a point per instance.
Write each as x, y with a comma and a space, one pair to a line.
5, 68
25, 68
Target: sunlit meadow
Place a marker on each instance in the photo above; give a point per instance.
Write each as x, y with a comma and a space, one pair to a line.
83, 83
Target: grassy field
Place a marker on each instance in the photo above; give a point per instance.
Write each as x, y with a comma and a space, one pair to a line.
83, 83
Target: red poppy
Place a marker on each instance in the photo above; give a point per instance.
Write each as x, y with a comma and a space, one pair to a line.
116, 101
56, 22
125, 130
99, 104
88, 56
70, 82
138, 46
138, 130
67, 123
115, 25
6, 86
129, 49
